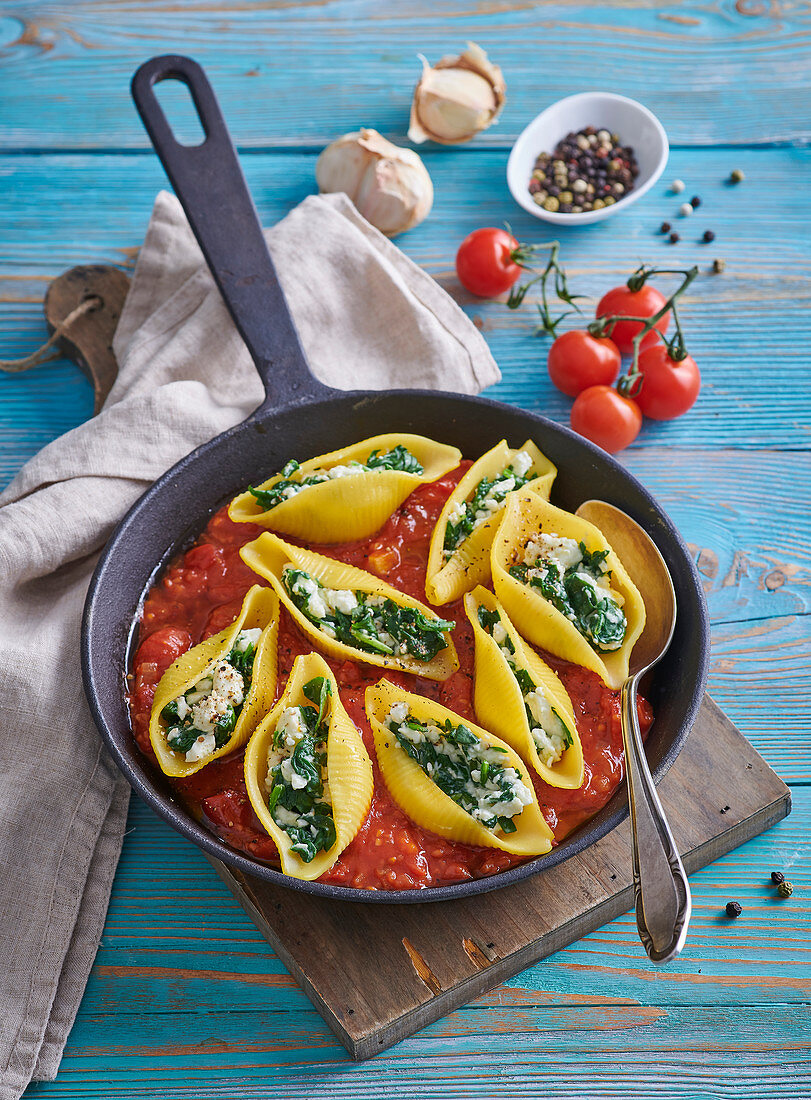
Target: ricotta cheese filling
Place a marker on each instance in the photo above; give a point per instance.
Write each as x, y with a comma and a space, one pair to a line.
484, 502
471, 772
202, 719
372, 623
577, 582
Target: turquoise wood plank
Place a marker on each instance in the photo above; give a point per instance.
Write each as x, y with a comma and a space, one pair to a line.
716, 74
749, 329
548, 1046
186, 1000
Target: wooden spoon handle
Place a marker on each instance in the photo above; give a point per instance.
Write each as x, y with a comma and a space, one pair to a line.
661, 890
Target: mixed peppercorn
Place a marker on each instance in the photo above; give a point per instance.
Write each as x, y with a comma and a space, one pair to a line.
588, 170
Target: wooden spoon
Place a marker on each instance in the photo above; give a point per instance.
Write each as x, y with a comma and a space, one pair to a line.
661, 890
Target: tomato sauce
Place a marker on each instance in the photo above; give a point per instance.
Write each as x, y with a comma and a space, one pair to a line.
202, 592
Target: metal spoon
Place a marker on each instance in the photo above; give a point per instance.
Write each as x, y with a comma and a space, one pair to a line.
661, 890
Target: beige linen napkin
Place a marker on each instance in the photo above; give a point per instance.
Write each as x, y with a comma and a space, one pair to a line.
368, 319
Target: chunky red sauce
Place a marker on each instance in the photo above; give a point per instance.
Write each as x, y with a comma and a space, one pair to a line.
202, 592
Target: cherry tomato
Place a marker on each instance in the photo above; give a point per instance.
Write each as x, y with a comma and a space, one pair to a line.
621, 302
606, 418
578, 360
484, 262
669, 386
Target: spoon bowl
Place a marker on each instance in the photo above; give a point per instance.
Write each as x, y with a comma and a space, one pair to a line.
662, 893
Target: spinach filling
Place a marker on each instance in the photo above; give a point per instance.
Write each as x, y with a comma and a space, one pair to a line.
374, 624
464, 767
550, 742
487, 498
209, 709
398, 458
574, 591
297, 800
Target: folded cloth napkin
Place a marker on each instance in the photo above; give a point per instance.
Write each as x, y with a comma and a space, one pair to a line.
368, 319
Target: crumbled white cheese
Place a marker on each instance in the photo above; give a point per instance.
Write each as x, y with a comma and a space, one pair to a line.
398, 713
341, 599
204, 746
206, 713
345, 471
247, 638
297, 781
183, 707
499, 632
550, 735
292, 725
521, 463
228, 683
563, 551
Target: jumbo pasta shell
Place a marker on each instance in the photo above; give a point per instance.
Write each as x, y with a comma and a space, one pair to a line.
349, 771
537, 619
268, 555
469, 565
499, 701
260, 608
347, 508
423, 800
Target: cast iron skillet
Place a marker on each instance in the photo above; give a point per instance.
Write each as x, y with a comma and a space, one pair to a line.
302, 417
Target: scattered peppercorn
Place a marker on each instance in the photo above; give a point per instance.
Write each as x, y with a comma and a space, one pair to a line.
695, 202
718, 266
588, 170
736, 176
785, 889
708, 237
778, 877
685, 210
677, 186
673, 238
733, 909
664, 227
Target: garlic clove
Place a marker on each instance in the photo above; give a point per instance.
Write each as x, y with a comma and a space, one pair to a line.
389, 186
457, 98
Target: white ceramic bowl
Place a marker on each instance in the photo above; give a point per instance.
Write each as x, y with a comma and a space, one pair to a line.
635, 124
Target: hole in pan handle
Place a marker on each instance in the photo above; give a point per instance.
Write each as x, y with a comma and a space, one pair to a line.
211, 187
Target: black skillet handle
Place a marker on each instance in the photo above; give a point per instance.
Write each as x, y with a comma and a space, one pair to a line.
209, 183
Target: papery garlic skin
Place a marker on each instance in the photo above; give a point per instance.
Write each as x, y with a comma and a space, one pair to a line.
389, 186
457, 98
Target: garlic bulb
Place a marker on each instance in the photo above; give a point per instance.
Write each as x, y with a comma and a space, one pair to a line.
456, 98
390, 186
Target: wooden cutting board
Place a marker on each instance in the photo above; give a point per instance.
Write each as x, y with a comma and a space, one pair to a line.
378, 973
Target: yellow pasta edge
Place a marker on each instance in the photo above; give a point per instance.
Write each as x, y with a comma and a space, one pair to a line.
424, 802
349, 771
268, 555
470, 564
259, 608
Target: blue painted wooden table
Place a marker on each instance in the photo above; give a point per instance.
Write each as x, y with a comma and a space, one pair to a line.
185, 999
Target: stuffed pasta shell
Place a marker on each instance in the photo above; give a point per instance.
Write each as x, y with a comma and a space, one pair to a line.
459, 556
452, 777
347, 494
565, 588
308, 775
209, 701
519, 697
354, 615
